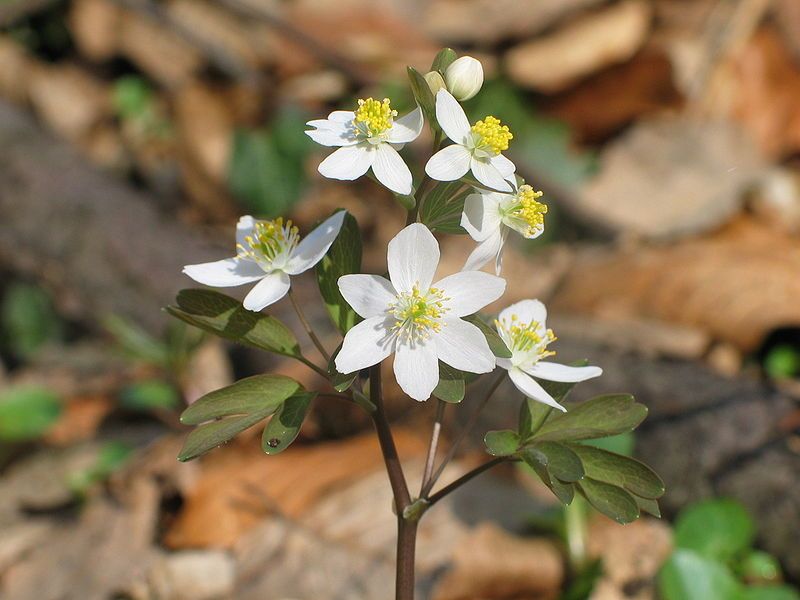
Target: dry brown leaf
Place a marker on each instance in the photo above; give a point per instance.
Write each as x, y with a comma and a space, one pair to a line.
738, 284
94, 25
80, 419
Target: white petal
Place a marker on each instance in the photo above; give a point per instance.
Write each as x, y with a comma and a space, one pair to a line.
366, 344
416, 369
481, 216
528, 386
347, 163
451, 117
462, 346
556, 372
504, 165
267, 291
469, 291
339, 135
413, 257
314, 246
342, 116
526, 311
407, 128
244, 228
484, 172
449, 163
487, 250
369, 295
390, 170
225, 273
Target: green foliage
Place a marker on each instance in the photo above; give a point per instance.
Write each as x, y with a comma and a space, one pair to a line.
688, 575
782, 361
135, 342
28, 319
759, 567
718, 529
284, 426
496, 343
596, 418
443, 59
134, 100
222, 315
559, 460
451, 386
501, 443
266, 172
442, 208
621, 471
152, 394
612, 501
622, 443
343, 258
111, 457
424, 98
26, 413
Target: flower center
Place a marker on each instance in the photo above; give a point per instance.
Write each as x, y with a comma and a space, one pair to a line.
529, 209
269, 240
374, 117
527, 337
417, 315
492, 136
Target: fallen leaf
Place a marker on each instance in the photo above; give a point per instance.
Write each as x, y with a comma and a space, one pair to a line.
79, 419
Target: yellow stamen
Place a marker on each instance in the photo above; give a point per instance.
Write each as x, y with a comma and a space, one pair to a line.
527, 337
374, 116
269, 239
493, 136
417, 315
529, 209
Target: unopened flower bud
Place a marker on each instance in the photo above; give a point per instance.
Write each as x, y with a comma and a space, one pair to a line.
464, 77
435, 81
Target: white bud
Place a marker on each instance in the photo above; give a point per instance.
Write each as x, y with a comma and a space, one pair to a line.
435, 81
464, 77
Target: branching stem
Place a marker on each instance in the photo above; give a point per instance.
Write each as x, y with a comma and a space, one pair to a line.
307, 327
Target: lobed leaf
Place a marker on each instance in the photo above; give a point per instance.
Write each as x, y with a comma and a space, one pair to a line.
619, 470
561, 462
612, 501
343, 258
451, 386
648, 505
599, 417
565, 492
285, 424
216, 433
501, 443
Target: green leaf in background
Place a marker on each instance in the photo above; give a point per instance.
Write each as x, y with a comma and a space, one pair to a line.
769, 592
343, 258
442, 208
443, 59
110, 457
222, 315
285, 424
782, 361
501, 443
424, 97
153, 394
583, 584
136, 342
561, 462
612, 501
688, 575
719, 529
266, 173
131, 97
451, 386
28, 319
26, 413
622, 443
622, 471
760, 567
256, 394
599, 417
496, 343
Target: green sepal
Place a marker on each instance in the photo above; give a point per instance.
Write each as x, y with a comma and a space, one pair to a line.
443, 59
424, 97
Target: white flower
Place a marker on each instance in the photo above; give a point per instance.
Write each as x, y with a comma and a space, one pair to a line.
418, 321
369, 137
522, 327
489, 216
464, 77
268, 252
477, 148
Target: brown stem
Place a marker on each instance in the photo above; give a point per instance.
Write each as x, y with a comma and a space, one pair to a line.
307, 327
406, 546
434, 445
465, 478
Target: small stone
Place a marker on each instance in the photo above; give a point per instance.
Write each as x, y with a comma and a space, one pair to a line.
193, 575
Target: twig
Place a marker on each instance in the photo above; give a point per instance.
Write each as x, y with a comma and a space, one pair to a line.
465, 478
434, 445
307, 327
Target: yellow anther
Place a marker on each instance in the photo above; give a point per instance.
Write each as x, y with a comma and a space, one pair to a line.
417, 314
492, 135
529, 209
268, 240
527, 337
373, 116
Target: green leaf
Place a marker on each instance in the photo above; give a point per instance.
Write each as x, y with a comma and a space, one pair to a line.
619, 444
216, 433
596, 418
148, 395
443, 207
565, 492
222, 315
612, 501
111, 457
451, 384
496, 344
561, 462
690, 576
285, 424
136, 342
769, 592
782, 361
622, 471
648, 505
343, 258
501, 443
719, 529
28, 320
424, 97
583, 583
26, 413
256, 394
760, 567
443, 59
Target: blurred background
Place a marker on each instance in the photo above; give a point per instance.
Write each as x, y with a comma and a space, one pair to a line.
665, 135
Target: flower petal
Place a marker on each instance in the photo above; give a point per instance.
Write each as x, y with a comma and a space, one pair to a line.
369, 295
484, 171
462, 346
487, 250
267, 291
347, 163
531, 388
526, 311
481, 217
229, 272
451, 117
244, 228
469, 291
413, 257
416, 369
556, 372
342, 116
314, 246
365, 344
390, 170
407, 128
449, 163
334, 134
504, 165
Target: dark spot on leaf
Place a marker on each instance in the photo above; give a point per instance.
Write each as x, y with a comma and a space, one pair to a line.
274, 443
